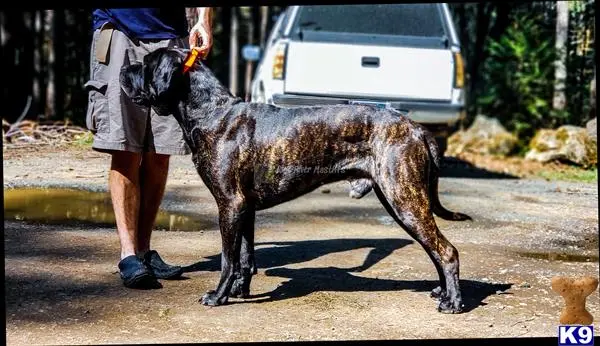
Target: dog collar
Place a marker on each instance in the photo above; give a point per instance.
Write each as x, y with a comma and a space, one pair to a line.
190, 60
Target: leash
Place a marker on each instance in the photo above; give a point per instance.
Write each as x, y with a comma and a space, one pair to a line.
191, 59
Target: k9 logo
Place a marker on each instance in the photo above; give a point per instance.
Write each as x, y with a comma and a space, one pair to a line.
575, 335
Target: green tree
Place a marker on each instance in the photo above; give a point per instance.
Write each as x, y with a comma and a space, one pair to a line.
518, 78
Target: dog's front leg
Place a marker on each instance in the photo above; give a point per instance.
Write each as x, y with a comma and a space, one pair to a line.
241, 286
231, 220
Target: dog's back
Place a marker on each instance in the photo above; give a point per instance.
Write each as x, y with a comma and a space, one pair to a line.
295, 150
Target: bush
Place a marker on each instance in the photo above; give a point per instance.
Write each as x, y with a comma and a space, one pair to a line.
518, 79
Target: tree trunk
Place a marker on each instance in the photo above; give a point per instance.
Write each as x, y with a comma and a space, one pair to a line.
191, 14
264, 16
501, 21
592, 114
3, 31
4, 52
476, 61
249, 40
37, 63
233, 52
59, 55
27, 57
593, 86
50, 88
560, 65
223, 23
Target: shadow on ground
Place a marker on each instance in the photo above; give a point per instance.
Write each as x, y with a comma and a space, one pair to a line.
453, 167
304, 281
285, 253
43, 298
50, 278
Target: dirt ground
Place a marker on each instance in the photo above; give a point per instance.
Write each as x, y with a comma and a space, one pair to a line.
330, 267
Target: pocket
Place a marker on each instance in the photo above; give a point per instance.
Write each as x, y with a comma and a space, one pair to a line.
97, 117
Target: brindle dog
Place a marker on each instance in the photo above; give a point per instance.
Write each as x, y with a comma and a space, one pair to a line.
254, 156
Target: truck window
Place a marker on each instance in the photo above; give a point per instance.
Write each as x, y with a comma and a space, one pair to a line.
421, 20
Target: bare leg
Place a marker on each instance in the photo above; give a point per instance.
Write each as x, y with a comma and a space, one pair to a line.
153, 174
125, 195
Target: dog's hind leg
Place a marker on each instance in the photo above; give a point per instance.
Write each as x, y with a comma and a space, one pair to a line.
241, 285
442, 253
232, 217
404, 195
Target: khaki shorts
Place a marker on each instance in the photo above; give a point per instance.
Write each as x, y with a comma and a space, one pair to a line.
115, 121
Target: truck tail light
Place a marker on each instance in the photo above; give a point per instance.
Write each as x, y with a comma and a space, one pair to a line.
459, 71
279, 61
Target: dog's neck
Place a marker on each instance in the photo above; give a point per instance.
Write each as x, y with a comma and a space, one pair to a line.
205, 106
207, 94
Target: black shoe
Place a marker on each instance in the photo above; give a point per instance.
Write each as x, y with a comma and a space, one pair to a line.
135, 274
160, 269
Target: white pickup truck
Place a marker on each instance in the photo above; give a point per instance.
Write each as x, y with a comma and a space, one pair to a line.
401, 56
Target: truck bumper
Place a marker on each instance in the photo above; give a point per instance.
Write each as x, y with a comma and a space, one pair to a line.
433, 114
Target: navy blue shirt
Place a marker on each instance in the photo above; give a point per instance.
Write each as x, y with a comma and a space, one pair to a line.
144, 23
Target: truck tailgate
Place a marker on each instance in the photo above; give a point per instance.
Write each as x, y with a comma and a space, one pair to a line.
368, 71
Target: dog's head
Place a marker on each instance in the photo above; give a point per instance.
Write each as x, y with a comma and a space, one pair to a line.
159, 82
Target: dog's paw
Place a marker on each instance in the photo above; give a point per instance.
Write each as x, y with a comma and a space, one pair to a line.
237, 289
437, 293
450, 306
211, 299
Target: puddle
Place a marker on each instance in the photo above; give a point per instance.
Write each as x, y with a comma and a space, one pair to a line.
70, 206
559, 256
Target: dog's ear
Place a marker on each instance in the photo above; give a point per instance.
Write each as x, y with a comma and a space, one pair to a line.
131, 79
163, 76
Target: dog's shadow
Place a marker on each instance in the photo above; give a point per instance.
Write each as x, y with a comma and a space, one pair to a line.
304, 281
277, 254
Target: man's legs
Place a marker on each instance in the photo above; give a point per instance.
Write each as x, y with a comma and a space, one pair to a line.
124, 185
154, 171
153, 174
137, 184
125, 130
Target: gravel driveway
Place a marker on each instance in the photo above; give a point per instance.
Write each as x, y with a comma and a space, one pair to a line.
330, 267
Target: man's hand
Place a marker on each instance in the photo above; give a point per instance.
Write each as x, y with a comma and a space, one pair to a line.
201, 37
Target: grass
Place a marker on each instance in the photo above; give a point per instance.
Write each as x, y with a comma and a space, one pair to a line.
84, 141
574, 174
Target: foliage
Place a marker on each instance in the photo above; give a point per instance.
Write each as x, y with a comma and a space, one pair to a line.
509, 50
518, 79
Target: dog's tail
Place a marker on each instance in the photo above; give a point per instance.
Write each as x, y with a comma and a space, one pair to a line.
435, 164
